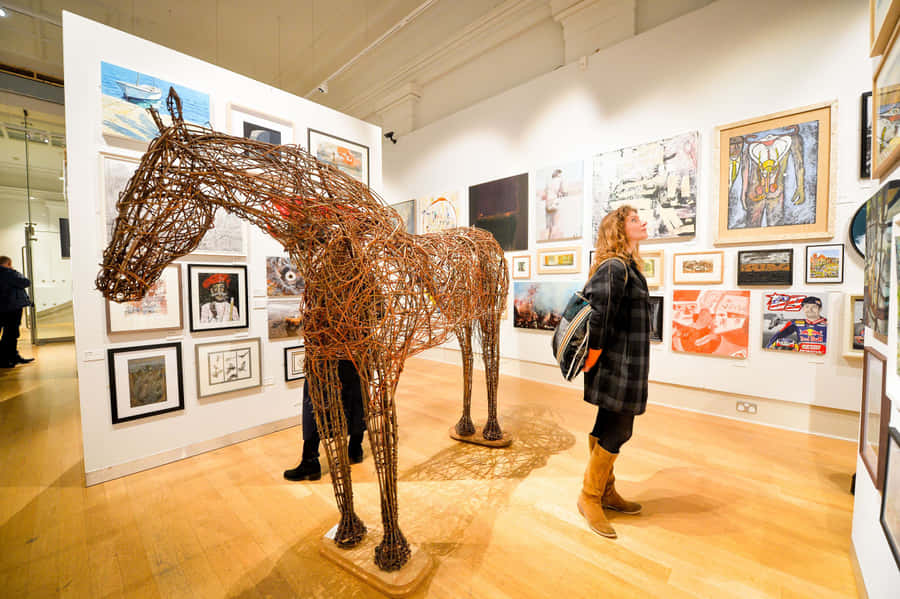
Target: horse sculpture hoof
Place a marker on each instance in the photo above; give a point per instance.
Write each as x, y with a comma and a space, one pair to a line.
465, 427
492, 431
350, 532
391, 557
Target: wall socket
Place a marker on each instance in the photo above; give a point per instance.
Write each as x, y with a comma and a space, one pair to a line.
746, 406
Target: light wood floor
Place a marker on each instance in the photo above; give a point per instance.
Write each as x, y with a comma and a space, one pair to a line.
730, 509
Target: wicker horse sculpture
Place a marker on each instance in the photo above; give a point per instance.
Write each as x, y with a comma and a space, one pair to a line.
374, 294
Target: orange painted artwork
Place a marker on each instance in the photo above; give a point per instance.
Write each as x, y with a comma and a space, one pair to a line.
712, 322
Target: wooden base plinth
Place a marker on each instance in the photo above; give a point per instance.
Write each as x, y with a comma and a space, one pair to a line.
360, 561
478, 439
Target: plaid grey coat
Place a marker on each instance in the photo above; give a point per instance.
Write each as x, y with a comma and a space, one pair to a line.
620, 326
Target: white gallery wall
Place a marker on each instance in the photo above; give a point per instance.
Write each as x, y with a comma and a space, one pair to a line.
112, 450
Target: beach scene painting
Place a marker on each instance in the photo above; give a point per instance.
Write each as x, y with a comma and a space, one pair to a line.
127, 94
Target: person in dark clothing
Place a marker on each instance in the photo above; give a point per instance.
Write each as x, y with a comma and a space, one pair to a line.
351, 396
617, 367
13, 298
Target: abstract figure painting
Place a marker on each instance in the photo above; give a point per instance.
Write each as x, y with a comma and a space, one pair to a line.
501, 207
217, 296
539, 304
127, 94
659, 179
880, 212
774, 177
765, 267
226, 366
159, 310
559, 201
283, 278
145, 381
440, 213
711, 322
346, 156
795, 322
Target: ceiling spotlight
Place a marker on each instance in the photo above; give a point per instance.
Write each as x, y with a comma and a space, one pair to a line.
3, 12
390, 135
323, 87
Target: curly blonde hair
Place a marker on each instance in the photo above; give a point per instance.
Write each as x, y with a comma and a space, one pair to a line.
612, 241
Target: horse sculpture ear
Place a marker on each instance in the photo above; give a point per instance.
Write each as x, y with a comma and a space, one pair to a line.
174, 105
157, 119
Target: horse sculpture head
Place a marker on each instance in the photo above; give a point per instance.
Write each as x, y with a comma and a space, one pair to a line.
161, 212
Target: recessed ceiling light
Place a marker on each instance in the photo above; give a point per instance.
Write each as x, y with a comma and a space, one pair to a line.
3, 12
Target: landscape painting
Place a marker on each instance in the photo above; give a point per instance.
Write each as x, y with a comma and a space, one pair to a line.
501, 207
539, 304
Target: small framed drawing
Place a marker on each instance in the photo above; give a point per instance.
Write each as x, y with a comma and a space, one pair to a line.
559, 261
145, 381
825, 263
159, 310
656, 318
521, 267
653, 268
765, 267
252, 124
407, 212
865, 136
890, 495
698, 267
875, 412
115, 172
294, 363
885, 105
225, 366
217, 296
854, 326
346, 156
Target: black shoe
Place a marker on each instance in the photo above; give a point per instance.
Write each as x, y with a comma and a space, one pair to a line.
306, 470
20, 360
7, 364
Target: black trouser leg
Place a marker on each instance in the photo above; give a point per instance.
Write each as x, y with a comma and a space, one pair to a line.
612, 429
10, 322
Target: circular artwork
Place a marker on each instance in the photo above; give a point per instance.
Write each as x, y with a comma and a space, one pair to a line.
858, 230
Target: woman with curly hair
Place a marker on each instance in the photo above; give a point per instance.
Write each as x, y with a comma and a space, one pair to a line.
617, 365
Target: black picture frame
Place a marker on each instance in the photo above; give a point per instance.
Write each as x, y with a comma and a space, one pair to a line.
839, 278
236, 289
123, 407
657, 307
874, 374
765, 267
890, 495
865, 135
290, 371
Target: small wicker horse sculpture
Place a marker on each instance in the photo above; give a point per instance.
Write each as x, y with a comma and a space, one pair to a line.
374, 294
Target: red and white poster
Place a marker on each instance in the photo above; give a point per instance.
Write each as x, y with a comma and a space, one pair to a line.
713, 322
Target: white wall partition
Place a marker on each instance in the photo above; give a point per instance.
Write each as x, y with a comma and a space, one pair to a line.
112, 450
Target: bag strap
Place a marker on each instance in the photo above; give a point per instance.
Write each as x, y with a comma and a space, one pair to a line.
620, 260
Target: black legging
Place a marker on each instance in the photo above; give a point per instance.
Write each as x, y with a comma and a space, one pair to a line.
612, 429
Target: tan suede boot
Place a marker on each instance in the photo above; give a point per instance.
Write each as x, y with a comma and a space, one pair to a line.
612, 500
590, 500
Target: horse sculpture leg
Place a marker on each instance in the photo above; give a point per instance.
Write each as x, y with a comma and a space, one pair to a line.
381, 422
325, 391
465, 426
490, 349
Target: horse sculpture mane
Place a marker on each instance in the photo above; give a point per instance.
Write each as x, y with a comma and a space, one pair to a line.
374, 293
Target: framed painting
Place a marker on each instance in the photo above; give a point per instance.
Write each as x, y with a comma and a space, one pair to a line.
251, 124
795, 322
227, 236
698, 267
825, 263
501, 207
659, 179
294, 363
115, 172
883, 16
559, 201
886, 109
656, 318
875, 414
865, 136
765, 267
159, 310
540, 304
407, 212
711, 322
521, 266
345, 155
283, 318
881, 209
127, 94
283, 278
226, 366
654, 267
440, 213
854, 327
890, 495
217, 297
775, 177
145, 381
559, 261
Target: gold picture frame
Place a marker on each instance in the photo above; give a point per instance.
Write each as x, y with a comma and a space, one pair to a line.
751, 156
698, 268
559, 260
654, 267
886, 101
883, 16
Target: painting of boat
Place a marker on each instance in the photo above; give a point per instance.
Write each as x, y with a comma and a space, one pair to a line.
139, 91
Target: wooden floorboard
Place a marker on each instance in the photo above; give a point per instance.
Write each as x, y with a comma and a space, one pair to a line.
730, 509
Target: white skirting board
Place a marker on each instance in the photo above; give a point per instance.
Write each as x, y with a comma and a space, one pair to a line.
173, 455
